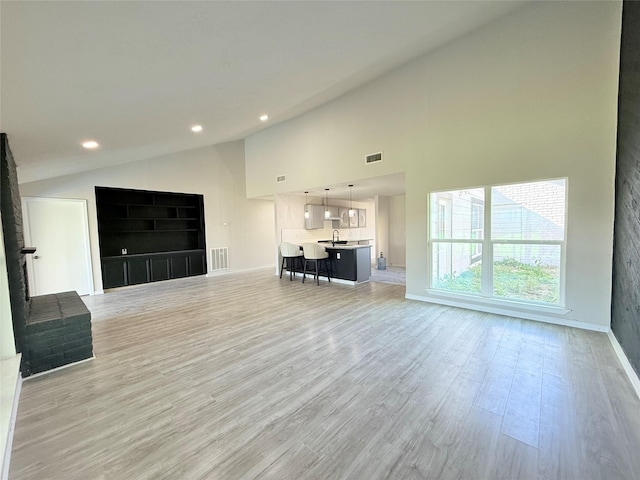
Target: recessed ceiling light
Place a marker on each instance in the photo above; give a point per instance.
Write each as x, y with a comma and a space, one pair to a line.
196, 128
90, 144
264, 118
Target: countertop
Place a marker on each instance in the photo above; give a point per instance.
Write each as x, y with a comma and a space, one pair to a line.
328, 246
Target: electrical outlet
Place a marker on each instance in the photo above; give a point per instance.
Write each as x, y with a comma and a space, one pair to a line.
124, 251
338, 256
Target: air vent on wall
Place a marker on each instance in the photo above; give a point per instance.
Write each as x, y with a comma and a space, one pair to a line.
280, 178
219, 258
372, 158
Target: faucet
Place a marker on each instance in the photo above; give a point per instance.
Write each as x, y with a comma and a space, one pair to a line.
335, 236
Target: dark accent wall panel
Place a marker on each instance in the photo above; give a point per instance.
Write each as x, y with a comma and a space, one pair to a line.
13, 243
625, 308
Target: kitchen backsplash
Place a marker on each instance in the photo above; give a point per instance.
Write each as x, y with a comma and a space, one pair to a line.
300, 236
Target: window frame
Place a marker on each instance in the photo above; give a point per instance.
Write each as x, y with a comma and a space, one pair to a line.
477, 253
487, 249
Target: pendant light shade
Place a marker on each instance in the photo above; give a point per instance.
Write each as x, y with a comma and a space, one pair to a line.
352, 212
306, 205
327, 213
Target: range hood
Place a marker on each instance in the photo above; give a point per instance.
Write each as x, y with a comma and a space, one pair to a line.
334, 213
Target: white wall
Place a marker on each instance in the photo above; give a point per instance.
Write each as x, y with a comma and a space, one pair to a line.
531, 96
397, 249
217, 172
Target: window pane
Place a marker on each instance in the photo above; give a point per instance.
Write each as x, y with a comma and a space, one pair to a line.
458, 214
527, 272
528, 211
456, 267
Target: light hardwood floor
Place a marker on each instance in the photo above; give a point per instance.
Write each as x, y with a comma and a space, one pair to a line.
251, 376
396, 275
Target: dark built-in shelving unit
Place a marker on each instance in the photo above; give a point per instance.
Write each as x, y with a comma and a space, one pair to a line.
147, 236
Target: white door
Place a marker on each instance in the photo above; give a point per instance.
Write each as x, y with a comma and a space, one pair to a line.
59, 230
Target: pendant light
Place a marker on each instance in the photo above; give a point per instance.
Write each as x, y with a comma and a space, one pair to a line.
352, 212
306, 205
327, 213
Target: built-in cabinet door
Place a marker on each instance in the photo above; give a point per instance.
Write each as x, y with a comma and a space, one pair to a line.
179, 266
159, 269
114, 273
132, 270
137, 271
197, 264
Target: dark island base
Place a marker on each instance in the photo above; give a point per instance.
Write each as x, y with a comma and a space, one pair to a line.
352, 264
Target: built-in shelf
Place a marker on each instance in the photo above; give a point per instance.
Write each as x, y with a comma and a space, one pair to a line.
145, 224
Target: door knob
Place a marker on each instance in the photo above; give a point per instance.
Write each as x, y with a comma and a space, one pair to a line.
36, 257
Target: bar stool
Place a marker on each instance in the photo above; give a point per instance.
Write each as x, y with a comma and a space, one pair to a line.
290, 254
317, 254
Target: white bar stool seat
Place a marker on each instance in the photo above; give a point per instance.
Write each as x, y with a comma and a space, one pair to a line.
318, 255
291, 254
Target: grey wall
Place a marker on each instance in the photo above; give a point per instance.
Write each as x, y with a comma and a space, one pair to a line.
14, 242
625, 309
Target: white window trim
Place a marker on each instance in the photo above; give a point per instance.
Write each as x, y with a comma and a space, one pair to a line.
486, 295
465, 298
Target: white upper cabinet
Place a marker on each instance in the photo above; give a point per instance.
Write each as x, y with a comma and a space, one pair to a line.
344, 218
362, 217
353, 221
316, 217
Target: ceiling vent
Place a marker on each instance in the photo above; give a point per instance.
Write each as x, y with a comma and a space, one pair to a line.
280, 178
373, 158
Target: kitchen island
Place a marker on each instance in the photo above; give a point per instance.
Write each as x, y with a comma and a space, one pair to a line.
350, 263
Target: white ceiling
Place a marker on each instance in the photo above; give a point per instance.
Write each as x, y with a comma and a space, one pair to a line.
135, 76
363, 189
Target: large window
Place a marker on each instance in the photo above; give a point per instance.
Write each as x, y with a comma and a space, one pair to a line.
502, 242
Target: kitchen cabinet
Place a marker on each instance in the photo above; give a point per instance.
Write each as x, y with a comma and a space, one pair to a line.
344, 219
353, 221
316, 217
362, 217
338, 215
349, 263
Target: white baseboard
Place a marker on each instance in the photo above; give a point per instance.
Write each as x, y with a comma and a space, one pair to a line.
10, 427
242, 270
626, 364
539, 317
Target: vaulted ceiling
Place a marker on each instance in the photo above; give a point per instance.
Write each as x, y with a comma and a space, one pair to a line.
136, 76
